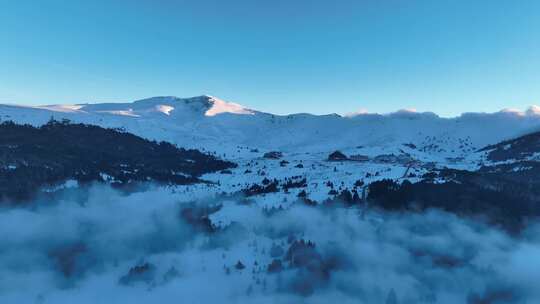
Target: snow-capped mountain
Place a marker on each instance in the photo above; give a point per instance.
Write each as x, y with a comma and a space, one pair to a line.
210, 123
400, 145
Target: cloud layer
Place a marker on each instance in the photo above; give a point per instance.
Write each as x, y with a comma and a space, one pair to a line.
142, 247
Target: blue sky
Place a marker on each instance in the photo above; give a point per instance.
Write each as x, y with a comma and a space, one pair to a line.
279, 56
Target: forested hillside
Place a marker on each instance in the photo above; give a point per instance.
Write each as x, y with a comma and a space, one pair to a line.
34, 157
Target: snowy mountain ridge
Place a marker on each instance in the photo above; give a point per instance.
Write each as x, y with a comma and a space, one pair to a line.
162, 104
213, 124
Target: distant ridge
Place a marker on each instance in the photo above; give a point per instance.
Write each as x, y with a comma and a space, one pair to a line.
207, 122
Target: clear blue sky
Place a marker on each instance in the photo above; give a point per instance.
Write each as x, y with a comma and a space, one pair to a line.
280, 56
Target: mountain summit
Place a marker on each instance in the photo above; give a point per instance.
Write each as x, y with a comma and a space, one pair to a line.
217, 125
168, 105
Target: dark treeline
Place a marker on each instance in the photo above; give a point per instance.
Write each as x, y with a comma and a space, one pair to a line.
33, 157
517, 148
501, 202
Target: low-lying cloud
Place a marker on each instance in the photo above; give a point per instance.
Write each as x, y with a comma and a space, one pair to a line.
142, 247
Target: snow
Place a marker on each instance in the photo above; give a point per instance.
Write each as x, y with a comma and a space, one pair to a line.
234, 132
356, 113
62, 108
533, 110
199, 122
128, 112
219, 107
164, 109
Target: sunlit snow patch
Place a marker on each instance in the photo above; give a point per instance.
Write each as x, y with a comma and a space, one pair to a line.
61, 108
219, 106
165, 109
128, 112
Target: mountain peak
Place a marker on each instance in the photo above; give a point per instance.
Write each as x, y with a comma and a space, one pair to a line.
533, 110
209, 105
220, 106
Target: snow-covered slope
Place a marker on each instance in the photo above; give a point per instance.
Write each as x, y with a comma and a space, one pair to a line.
210, 123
